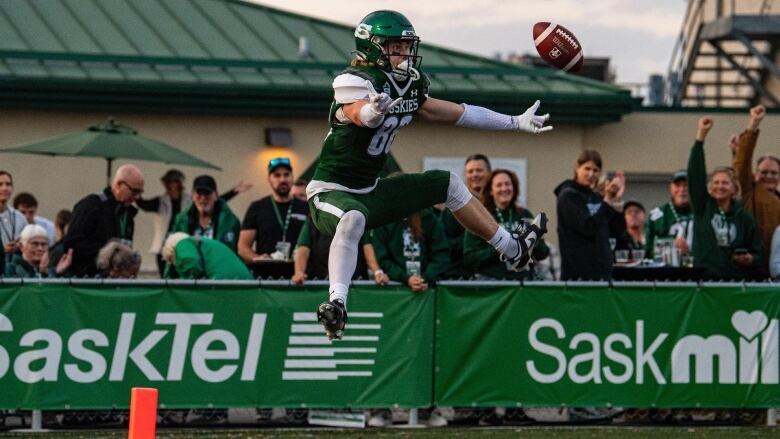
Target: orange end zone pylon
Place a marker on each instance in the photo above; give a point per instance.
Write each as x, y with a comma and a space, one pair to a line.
143, 413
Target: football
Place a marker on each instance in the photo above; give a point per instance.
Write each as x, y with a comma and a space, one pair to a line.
558, 46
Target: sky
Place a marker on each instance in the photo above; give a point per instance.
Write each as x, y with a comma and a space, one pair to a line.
637, 37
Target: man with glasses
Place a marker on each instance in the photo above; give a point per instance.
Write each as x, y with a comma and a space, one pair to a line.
759, 191
272, 224
98, 218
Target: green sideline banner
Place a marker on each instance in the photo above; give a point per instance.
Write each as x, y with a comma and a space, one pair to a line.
589, 346
82, 348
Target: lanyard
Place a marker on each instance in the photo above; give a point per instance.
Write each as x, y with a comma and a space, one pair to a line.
12, 220
500, 216
123, 226
279, 218
726, 224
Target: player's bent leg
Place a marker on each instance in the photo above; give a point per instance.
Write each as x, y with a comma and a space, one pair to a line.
341, 266
515, 247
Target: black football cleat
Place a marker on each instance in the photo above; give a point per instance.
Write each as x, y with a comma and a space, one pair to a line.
527, 240
333, 317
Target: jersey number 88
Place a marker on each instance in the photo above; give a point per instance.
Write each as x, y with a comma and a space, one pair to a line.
385, 134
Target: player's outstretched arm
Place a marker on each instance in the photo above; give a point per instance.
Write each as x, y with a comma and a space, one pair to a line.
473, 116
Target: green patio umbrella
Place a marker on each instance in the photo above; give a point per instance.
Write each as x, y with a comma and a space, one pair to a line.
110, 140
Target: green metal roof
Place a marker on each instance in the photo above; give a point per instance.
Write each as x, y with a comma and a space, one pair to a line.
234, 57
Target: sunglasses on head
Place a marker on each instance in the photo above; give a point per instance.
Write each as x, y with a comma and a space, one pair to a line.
278, 161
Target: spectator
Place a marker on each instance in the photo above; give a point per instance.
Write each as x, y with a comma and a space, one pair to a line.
11, 220
27, 205
34, 259
118, 261
61, 223
98, 218
413, 251
477, 170
499, 196
311, 257
273, 223
673, 219
209, 216
726, 241
586, 220
168, 205
195, 257
299, 189
774, 264
759, 191
635, 216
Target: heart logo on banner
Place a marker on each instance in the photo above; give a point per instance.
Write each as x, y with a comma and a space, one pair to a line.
749, 325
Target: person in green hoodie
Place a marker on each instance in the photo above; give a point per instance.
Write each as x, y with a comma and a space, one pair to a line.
209, 216
196, 257
499, 196
413, 251
34, 258
726, 241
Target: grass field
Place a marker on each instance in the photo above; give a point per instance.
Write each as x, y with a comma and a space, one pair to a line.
442, 433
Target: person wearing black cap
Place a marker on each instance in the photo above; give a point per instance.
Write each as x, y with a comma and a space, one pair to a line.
209, 216
168, 205
272, 224
673, 219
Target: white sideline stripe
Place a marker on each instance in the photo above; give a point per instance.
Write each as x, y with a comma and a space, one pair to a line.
299, 339
296, 376
327, 207
303, 328
372, 315
545, 34
305, 316
360, 338
326, 352
322, 364
573, 61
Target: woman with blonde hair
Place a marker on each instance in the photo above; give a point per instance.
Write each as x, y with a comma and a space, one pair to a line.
726, 241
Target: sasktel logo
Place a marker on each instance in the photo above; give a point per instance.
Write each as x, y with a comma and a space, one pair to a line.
752, 360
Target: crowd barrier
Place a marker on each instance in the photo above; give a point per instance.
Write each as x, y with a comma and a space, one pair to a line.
83, 345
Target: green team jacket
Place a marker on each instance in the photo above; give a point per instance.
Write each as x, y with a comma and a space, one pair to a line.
204, 258
20, 268
226, 226
742, 231
388, 241
481, 257
667, 222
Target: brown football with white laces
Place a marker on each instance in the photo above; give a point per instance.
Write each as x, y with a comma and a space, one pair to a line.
558, 46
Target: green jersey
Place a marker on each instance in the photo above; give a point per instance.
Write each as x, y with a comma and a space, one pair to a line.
668, 221
353, 156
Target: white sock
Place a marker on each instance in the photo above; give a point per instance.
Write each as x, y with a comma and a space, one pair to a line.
339, 291
344, 252
503, 242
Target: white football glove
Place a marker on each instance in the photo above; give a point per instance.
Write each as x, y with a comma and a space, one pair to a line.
373, 113
530, 122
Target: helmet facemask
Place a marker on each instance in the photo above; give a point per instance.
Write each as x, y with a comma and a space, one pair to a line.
408, 67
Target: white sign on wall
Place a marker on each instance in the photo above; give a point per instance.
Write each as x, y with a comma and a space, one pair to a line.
455, 164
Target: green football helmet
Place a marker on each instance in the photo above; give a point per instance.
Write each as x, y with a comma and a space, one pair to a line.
378, 27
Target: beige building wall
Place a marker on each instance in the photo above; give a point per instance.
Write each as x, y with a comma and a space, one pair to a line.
642, 143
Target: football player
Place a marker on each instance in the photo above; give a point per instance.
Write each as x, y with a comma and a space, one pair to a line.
377, 95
